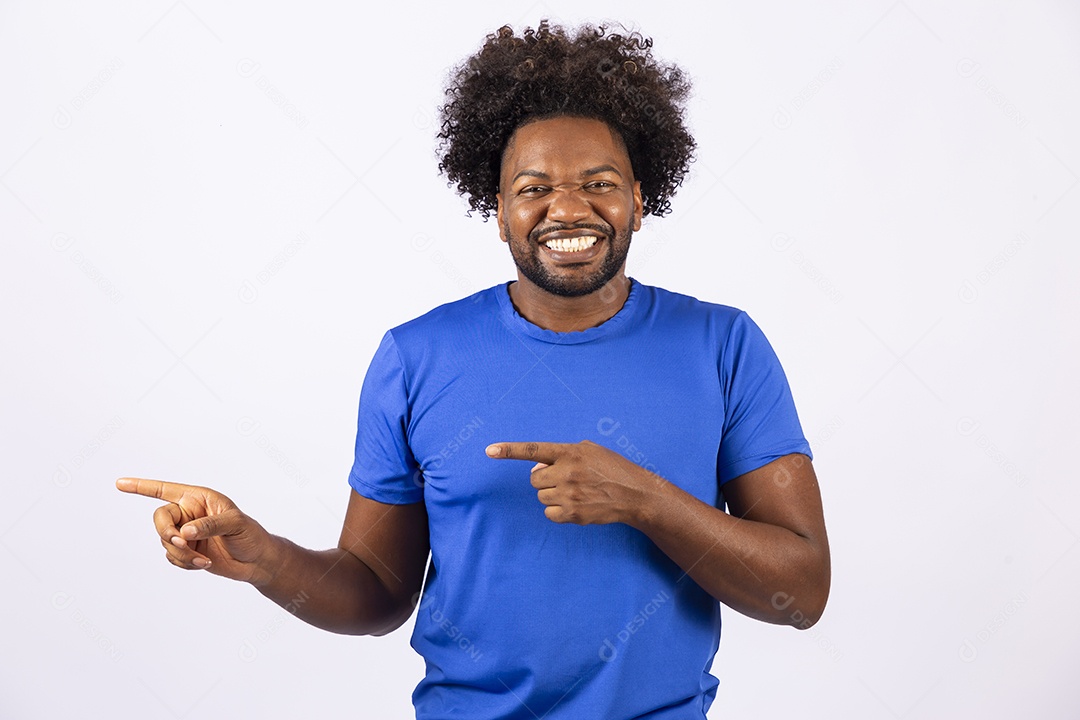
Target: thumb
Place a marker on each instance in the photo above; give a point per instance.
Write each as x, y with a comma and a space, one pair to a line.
229, 522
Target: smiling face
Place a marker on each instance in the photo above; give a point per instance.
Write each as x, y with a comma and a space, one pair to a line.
568, 204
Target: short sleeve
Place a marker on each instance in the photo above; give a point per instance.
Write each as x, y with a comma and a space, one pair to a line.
384, 468
760, 422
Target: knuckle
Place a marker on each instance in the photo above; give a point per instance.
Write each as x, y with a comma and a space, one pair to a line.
178, 556
163, 516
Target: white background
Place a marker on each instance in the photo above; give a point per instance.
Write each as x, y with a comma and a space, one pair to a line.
210, 215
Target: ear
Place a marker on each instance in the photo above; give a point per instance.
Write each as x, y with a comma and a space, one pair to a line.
638, 205
499, 217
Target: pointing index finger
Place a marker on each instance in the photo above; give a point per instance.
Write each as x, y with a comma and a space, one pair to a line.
543, 452
170, 492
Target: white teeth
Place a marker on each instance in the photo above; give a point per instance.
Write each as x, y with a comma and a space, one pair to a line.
573, 244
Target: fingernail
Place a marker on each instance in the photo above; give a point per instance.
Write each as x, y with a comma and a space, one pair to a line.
494, 450
200, 563
178, 541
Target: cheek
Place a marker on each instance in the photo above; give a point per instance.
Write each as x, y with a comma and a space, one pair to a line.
523, 218
618, 214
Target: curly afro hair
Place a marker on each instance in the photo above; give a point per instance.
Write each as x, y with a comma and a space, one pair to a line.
547, 72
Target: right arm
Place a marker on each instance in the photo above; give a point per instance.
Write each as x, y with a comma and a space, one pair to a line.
365, 586
368, 584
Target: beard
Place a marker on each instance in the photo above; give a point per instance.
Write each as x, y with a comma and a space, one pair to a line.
570, 281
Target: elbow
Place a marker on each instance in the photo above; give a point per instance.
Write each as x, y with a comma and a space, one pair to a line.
374, 620
809, 608
396, 617
373, 626
387, 628
802, 610
805, 620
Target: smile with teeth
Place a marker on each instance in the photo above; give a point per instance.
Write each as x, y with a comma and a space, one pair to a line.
571, 244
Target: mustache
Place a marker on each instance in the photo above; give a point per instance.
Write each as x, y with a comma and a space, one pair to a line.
600, 229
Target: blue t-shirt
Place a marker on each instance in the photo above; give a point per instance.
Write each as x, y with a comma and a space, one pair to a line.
522, 617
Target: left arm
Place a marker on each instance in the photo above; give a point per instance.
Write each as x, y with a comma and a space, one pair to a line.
768, 559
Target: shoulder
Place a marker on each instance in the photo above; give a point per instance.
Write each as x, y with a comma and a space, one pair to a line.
680, 308
454, 324
452, 314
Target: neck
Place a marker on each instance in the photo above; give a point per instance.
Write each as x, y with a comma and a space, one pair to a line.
569, 314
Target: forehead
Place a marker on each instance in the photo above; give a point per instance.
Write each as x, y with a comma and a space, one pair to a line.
564, 143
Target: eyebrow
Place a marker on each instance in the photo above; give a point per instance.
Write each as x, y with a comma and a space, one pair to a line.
584, 173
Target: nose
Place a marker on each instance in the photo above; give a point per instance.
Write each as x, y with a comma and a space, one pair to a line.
568, 205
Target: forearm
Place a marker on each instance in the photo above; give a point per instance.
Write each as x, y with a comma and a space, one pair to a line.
330, 589
764, 571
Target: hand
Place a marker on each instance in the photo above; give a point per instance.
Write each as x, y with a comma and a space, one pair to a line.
201, 529
584, 483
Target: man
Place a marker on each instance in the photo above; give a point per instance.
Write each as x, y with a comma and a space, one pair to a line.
585, 582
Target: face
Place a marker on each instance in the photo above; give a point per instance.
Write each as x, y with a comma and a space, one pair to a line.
568, 204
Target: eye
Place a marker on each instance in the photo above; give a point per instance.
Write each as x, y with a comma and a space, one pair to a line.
599, 186
533, 190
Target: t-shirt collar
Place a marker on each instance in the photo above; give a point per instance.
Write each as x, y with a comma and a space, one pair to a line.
513, 319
